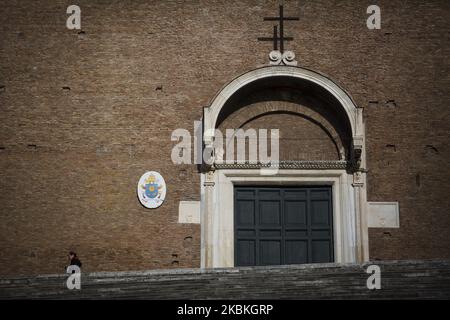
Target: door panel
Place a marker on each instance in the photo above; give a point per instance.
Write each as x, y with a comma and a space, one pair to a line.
295, 213
270, 252
283, 225
269, 213
296, 251
320, 251
246, 250
246, 209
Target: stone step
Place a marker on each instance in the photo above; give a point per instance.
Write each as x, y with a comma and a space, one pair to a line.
399, 279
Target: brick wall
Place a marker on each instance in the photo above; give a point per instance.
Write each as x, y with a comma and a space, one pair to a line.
85, 114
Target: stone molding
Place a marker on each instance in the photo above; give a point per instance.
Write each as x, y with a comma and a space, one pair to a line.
332, 164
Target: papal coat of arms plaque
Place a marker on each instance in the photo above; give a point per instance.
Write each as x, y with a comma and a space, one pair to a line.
151, 190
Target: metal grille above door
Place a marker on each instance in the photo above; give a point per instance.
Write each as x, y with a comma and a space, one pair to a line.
288, 225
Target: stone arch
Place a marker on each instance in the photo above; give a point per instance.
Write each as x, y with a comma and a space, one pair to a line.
349, 188
291, 77
245, 115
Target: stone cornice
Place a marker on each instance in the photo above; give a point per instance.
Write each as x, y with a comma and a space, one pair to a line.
320, 164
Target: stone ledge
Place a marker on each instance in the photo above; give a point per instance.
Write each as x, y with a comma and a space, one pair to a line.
400, 279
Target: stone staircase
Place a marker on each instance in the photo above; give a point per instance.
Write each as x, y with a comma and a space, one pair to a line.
399, 279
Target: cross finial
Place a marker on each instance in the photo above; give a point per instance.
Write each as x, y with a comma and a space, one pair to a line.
281, 18
279, 38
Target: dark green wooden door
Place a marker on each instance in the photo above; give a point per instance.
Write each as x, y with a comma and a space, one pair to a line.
282, 225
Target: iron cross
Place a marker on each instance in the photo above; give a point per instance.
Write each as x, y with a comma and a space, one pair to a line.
275, 37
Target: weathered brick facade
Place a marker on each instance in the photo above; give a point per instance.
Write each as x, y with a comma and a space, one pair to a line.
85, 114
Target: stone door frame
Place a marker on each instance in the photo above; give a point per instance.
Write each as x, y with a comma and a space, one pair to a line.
349, 189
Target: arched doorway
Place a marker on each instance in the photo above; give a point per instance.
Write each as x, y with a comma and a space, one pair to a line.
321, 148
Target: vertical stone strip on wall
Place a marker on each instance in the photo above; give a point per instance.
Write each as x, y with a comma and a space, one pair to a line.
360, 188
207, 220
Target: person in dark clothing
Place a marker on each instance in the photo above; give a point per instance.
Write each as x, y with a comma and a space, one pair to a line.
73, 259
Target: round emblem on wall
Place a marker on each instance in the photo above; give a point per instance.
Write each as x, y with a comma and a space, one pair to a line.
151, 190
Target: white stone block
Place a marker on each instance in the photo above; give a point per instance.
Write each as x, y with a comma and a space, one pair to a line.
189, 212
383, 215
